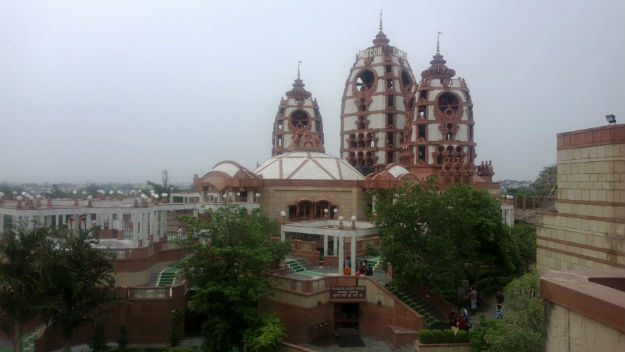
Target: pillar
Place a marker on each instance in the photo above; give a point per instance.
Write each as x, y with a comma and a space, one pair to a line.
325, 244
341, 246
282, 235
353, 254
134, 218
335, 244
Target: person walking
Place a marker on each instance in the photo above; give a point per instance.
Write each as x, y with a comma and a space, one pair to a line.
498, 312
473, 297
500, 297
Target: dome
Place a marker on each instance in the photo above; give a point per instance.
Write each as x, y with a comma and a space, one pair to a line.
226, 174
301, 165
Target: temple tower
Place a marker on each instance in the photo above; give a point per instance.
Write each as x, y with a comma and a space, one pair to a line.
439, 126
373, 110
298, 124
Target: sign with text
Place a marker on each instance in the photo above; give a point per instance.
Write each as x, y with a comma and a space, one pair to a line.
348, 292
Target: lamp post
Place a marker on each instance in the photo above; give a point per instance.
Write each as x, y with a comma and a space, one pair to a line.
353, 219
325, 213
611, 119
341, 222
283, 217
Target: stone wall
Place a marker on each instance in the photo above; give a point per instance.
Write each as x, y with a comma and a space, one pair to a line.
587, 231
350, 200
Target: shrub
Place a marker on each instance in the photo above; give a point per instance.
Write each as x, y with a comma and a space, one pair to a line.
425, 336
430, 336
438, 336
181, 349
461, 337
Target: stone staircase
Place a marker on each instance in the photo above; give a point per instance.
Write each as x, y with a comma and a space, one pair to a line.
433, 318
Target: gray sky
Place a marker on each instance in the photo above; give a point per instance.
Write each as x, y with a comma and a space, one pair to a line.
120, 90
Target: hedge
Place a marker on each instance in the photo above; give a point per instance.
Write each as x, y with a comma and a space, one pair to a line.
428, 336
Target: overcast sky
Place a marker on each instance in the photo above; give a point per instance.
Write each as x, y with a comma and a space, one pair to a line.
120, 90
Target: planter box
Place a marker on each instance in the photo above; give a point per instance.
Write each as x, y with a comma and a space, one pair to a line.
442, 347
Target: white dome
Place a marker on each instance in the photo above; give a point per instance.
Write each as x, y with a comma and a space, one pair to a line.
307, 166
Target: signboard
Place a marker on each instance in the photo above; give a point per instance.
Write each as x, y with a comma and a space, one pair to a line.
377, 51
348, 292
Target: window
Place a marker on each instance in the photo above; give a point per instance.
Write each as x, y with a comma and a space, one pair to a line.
406, 81
391, 99
388, 68
299, 119
389, 156
448, 103
389, 119
365, 80
421, 153
421, 131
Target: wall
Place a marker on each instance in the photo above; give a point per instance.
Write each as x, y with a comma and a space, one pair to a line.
588, 229
307, 311
148, 318
584, 310
349, 199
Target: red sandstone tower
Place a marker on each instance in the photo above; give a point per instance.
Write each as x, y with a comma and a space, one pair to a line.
298, 124
373, 111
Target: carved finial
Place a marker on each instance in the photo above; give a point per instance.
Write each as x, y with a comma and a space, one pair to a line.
438, 36
380, 19
299, 62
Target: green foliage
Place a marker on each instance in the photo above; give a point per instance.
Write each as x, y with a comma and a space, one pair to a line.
181, 349
428, 336
437, 238
521, 329
545, 185
525, 237
122, 340
98, 339
230, 255
371, 249
22, 292
266, 338
80, 282
175, 337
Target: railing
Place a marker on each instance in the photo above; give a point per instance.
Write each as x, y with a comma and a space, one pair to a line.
151, 292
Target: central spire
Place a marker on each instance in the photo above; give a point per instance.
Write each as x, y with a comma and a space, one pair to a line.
380, 38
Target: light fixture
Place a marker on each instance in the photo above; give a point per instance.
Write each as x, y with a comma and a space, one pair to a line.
353, 218
610, 118
341, 218
325, 210
283, 213
336, 210
257, 195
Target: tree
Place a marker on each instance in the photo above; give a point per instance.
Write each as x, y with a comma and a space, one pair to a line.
22, 295
80, 280
437, 238
230, 255
521, 328
546, 184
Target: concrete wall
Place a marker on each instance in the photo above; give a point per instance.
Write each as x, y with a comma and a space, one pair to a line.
568, 331
588, 229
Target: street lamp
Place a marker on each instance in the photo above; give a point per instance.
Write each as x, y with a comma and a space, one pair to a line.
610, 118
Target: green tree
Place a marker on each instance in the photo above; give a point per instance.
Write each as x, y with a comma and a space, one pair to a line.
436, 238
230, 255
98, 339
525, 237
80, 280
521, 328
545, 185
22, 294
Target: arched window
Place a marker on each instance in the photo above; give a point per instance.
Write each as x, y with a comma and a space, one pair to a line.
299, 119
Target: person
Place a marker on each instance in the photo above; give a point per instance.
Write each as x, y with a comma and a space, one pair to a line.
347, 271
498, 312
362, 270
473, 297
452, 320
347, 263
461, 323
500, 297
369, 269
